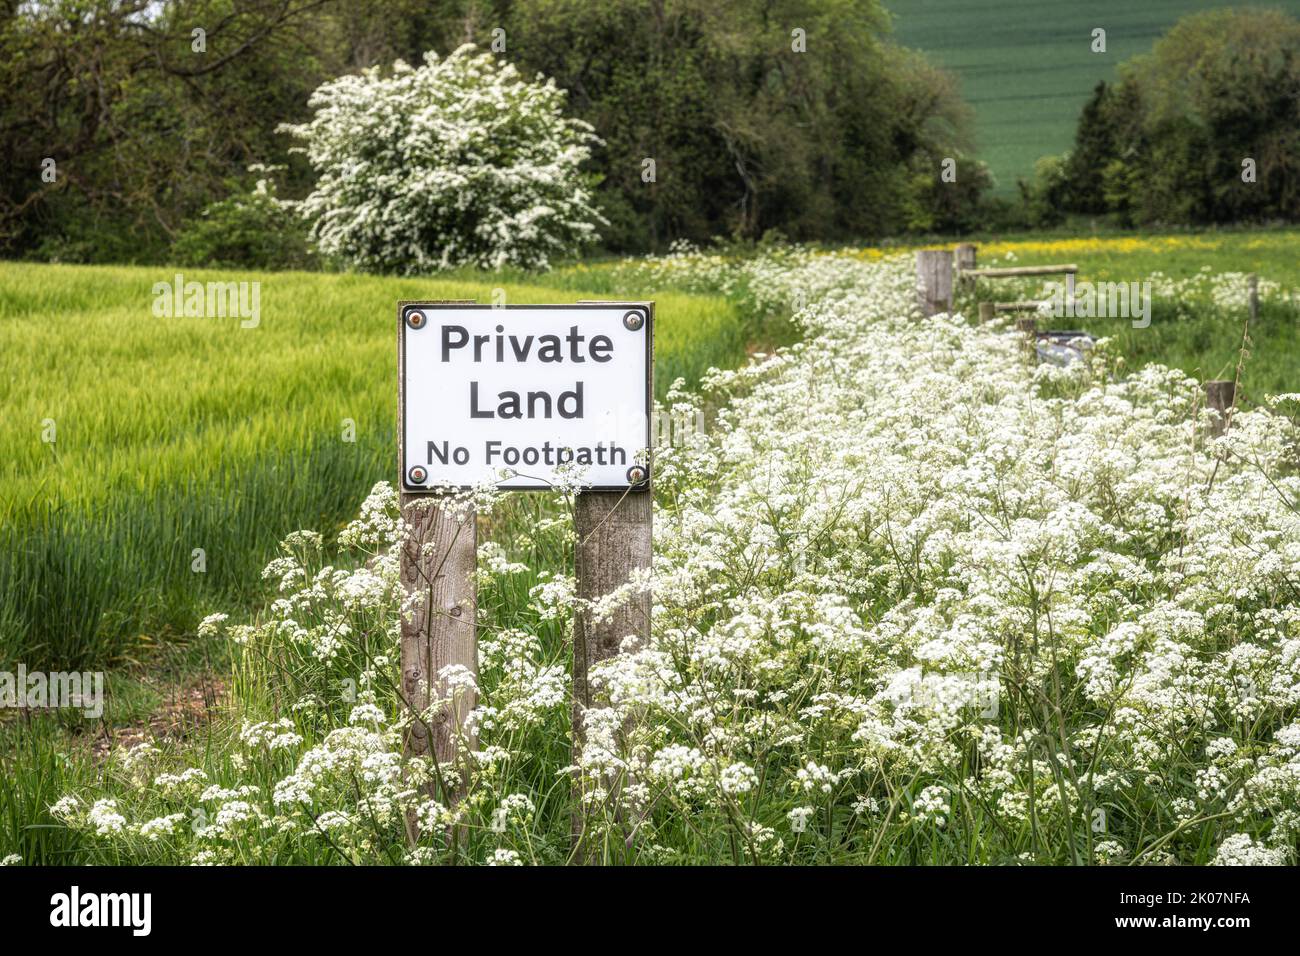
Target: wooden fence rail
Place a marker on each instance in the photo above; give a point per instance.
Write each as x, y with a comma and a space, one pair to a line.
1011, 272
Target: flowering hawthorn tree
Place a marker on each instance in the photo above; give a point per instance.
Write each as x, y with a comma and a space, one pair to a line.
459, 161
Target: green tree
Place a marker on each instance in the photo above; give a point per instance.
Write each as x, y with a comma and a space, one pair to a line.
144, 117
1168, 143
795, 115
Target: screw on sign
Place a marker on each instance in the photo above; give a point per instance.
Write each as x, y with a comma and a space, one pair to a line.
521, 397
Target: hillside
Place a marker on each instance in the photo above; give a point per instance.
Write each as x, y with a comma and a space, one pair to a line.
1026, 66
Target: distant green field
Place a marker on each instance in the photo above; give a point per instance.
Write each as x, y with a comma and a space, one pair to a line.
177, 434
1199, 302
1027, 66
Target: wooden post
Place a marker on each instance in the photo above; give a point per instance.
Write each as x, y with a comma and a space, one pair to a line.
1220, 395
437, 561
986, 312
1253, 284
613, 540
614, 536
965, 257
965, 261
934, 281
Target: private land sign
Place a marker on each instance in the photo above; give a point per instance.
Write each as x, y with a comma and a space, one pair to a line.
509, 394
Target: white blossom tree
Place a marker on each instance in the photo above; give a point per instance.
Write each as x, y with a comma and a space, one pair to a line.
460, 161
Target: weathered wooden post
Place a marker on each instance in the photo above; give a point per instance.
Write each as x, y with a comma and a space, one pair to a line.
614, 541
965, 262
934, 281
614, 532
1253, 285
986, 312
437, 563
1220, 395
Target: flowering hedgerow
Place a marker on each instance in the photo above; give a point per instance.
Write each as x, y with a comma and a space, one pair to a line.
457, 161
916, 600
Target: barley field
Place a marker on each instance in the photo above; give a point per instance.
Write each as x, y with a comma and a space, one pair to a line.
184, 448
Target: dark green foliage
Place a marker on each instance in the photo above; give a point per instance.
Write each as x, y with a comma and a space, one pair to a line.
1095, 144
152, 139
249, 228
940, 206
1044, 199
1168, 142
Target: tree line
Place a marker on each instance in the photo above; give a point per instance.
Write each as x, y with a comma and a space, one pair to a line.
1204, 129
139, 131
123, 121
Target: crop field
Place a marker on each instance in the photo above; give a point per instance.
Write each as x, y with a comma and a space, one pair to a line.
1027, 67
175, 436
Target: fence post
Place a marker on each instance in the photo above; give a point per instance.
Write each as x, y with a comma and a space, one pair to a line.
986, 312
614, 535
934, 281
965, 258
437, 560
1220, 395
1253, 284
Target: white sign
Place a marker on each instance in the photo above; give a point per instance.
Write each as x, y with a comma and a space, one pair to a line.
507, 395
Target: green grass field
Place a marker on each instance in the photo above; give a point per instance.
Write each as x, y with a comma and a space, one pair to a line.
1188, 328
178, 434
1027, 67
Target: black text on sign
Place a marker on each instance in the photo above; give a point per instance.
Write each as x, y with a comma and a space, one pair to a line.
515, 395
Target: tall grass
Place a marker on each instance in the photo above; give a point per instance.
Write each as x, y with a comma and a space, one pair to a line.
185, 448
